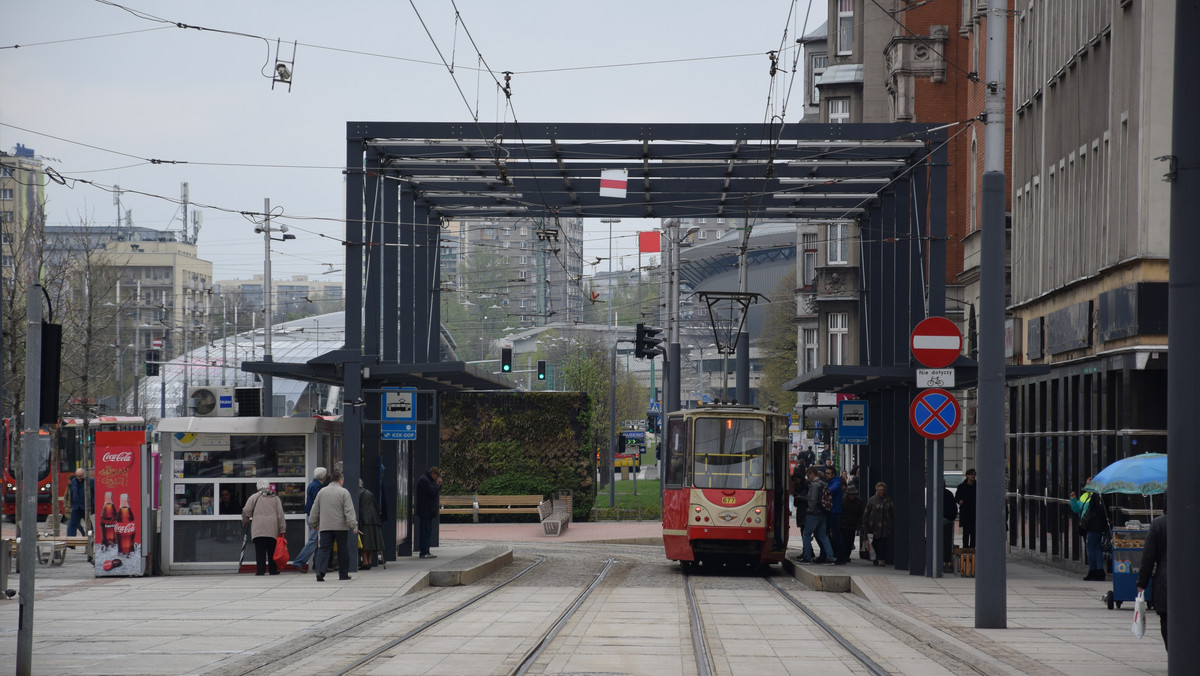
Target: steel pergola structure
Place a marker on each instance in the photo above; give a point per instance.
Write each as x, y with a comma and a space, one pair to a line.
403, 179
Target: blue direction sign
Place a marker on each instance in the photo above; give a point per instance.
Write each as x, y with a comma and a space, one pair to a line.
934, 414
399, 405
852, 422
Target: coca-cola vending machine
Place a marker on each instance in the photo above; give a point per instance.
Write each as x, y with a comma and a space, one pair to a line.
119, 536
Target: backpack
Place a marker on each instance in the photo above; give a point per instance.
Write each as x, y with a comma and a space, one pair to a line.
826, 498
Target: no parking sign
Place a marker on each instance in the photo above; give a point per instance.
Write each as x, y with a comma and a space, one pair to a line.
934, 414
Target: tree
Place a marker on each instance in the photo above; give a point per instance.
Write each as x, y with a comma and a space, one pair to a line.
778, 346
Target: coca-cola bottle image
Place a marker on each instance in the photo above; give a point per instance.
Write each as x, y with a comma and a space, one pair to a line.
108, 522
125, 526
109, 565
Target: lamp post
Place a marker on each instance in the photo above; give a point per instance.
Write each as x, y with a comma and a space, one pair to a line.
265, 229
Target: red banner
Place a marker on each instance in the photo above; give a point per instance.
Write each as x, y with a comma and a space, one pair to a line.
118, 532
648, 242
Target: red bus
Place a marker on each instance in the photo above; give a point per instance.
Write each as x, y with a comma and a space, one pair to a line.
71, 452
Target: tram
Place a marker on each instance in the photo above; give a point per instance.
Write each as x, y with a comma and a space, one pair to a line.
725, 486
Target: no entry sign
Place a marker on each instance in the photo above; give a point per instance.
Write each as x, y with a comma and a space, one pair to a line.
934, 414
936, 342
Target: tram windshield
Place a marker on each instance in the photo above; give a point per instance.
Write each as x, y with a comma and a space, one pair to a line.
728, 453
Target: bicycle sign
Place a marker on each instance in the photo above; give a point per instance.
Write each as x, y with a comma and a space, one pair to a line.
935, 377
934, 414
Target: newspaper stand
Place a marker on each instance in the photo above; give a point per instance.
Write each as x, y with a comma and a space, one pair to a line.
1127, 545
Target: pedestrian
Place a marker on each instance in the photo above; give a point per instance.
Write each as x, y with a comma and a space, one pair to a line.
949, 514
800, 492
807, 457
77, 495
1154, 567
264, 514
851, 520
878, 517
310, 496
965, 497
333, 515
841, 556
1094, 524
814, 521
853, 478
370, 525
429, 490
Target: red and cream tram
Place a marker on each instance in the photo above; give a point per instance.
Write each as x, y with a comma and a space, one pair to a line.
725, 486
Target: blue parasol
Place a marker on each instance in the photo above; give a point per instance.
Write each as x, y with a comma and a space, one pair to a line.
1144, 474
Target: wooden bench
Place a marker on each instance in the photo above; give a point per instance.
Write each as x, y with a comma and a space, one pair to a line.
458, 504
489, 504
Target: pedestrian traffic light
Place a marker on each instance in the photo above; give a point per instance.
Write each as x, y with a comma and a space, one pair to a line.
647, 344
541, 369
152, 359
506, 360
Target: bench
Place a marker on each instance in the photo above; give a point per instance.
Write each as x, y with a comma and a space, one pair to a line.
555, 516
489, 504
53, 550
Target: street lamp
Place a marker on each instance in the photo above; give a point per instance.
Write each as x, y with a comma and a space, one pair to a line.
265, 229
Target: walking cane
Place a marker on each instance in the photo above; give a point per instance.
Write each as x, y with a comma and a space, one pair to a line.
245, 539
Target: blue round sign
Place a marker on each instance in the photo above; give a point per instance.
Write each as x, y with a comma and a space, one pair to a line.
934, 414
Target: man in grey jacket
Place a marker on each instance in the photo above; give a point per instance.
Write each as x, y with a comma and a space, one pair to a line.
333, 516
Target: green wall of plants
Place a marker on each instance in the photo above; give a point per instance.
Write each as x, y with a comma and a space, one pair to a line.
519, 443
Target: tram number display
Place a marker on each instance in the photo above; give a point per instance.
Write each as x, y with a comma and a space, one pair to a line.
729, 501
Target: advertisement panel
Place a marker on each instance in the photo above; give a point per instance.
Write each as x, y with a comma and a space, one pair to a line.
119, 458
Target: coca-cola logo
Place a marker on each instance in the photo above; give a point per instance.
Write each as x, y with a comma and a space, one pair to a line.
122, 456
126, 528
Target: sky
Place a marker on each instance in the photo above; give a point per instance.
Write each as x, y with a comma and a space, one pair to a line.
118, 94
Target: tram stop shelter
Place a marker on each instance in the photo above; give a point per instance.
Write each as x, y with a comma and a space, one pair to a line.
403, 179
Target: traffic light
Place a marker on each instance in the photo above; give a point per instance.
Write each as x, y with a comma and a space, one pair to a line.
506, 360
152, 359
541, 369
647, 344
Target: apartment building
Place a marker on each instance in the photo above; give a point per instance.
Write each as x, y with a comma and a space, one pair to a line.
532, 268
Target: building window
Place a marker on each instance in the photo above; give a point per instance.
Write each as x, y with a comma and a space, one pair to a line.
701, 220
720, 221
839, 111
6, 217
816, 68
845, 27
808, 244
839, 235
810, 349
839, 337
6, 193
703, 234
522, 275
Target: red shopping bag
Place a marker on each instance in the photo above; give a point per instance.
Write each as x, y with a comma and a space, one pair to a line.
281, 555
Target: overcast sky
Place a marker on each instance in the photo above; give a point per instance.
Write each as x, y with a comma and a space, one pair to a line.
100, 91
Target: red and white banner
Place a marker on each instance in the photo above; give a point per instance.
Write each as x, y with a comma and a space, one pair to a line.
649, 242
612, 182
118, 532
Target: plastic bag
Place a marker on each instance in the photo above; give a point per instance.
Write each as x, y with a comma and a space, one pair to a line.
281, 555
1139, 616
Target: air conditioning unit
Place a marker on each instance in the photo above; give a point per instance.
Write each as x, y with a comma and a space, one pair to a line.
213, 402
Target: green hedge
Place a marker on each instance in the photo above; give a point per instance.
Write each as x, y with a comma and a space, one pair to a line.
520, 443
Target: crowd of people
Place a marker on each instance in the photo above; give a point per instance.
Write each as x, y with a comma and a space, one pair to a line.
831, 512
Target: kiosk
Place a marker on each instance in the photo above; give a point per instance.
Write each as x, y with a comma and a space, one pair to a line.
210, 467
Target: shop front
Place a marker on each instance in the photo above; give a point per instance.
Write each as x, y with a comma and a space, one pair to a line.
211, 467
